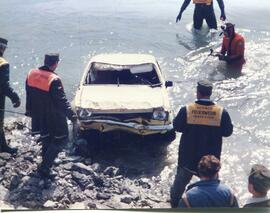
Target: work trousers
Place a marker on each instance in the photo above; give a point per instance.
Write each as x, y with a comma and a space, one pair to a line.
181, 180
51, 147
2, 115
202, 12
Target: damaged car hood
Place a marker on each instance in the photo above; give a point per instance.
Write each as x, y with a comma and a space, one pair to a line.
121, 98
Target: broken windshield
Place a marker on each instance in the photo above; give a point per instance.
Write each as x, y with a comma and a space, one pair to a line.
143, 74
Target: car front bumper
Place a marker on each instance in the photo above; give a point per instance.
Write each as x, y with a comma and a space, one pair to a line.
110, 125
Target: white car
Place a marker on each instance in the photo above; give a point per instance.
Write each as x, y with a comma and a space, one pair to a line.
124, 92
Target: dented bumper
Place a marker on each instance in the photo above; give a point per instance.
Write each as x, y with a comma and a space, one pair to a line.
111, 125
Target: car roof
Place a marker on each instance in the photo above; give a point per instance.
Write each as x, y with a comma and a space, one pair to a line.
124, 59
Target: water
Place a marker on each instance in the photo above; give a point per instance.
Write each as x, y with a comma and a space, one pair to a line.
82, 28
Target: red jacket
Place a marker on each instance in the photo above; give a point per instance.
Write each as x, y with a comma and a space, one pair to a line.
235, 50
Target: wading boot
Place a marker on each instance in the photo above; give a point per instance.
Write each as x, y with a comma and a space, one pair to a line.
46, 173
4, 147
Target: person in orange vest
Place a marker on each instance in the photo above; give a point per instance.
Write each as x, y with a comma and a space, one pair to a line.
5, 91
47, 105
202, 124
203, 10
233, 47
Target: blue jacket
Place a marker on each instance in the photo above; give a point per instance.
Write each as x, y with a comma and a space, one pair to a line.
208, 193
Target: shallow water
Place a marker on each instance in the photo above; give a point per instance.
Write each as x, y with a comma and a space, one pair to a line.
82, 28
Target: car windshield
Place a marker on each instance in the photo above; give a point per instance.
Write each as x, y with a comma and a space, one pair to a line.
143, 74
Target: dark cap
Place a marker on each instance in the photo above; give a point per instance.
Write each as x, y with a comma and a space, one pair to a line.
51, 59
259, 177
3, 42
205, 87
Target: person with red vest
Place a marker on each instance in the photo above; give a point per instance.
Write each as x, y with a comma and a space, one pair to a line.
204, 9
5, 91
233, 47
47, 105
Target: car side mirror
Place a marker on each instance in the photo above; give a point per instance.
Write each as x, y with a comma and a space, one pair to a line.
168, 83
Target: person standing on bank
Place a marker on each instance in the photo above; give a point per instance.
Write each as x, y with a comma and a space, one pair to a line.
209, 191
258, 186
5, 90
203, 10
203, 124
47, 105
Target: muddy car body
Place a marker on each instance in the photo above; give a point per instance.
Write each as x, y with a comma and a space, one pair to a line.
124, 92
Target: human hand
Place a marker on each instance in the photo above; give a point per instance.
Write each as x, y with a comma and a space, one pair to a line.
223, 17
222, 57
16, 104
178, 18
27, 113
74, 119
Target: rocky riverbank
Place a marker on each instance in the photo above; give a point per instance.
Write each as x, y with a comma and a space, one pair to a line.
120, 174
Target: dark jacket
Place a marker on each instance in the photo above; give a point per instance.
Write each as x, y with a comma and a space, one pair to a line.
5, 89
199, 140
265, 203
208, 193
48, 110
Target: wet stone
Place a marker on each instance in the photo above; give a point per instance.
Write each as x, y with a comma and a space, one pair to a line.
91, 205
80, 167
67, 166
14, 183
82, 180
110, 171
126, 200
98, 181
29, 158
103, 196
2, 162
5, 156
3, 193
50, 204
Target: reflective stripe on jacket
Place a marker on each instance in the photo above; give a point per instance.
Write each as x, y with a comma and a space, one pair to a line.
207, 2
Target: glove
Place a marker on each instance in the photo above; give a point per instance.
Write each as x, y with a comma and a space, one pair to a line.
16, 104
222, 16
223, 57
27, 113
178, 18
74, 119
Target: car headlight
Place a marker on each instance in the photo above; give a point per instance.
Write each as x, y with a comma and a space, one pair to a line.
84, 113
159, 115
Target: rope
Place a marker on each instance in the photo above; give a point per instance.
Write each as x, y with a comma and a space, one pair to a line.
10, 111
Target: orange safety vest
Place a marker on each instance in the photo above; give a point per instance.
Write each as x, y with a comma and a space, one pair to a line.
237, 47
41, 79
207, 2
204, 115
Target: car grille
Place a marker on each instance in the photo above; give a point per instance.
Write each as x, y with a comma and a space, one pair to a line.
122, 116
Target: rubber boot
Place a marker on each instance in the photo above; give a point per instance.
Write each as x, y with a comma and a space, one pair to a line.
4, 146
